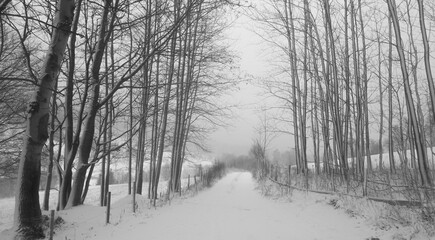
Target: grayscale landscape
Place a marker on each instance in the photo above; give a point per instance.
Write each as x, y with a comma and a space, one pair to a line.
217, 119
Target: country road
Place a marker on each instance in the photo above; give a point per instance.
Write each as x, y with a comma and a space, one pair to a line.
234, 209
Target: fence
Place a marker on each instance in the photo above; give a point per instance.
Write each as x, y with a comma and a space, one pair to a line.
400, 188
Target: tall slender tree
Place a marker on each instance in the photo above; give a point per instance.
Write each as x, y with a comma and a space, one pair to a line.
419, 142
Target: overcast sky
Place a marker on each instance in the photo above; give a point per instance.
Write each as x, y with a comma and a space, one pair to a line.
249, 96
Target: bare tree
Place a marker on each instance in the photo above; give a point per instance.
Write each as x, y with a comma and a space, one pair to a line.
27, 209
419, 142
427, 63
390, 96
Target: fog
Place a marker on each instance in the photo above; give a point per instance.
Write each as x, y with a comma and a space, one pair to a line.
249, 97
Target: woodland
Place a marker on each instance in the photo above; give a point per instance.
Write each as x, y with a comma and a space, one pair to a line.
82, 82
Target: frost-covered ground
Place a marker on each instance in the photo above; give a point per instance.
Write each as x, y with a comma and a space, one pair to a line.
118, 192
233, 208
7, 204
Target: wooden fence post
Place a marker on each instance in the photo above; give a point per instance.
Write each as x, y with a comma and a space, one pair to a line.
276, 173
365, 178
188, 182
51, 224
134, 196
108, 207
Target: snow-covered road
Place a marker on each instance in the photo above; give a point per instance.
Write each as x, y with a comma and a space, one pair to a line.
234, 209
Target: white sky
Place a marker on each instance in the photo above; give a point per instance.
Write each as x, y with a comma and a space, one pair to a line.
250, 98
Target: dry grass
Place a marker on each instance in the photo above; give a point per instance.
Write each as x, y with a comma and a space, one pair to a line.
403, 222
409, 222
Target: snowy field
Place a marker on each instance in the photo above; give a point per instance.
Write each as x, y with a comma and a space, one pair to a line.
7, 204
118, 192
233, 209
398, 159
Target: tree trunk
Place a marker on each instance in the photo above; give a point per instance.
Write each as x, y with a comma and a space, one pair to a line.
347, 80
419, 142
294, 74
130, 132
413, 56
427, 64
315, 101
365, 89
71, 143
27, 217
50, 152
424, 166
87, 136
155, 138
359, 111
390, 97
324, 100
381, 104
165, 110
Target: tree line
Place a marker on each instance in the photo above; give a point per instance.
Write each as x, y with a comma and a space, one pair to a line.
352, 71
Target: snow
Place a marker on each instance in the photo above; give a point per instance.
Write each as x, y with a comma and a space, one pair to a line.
398, 157
118, 192
7, 204
233, 208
